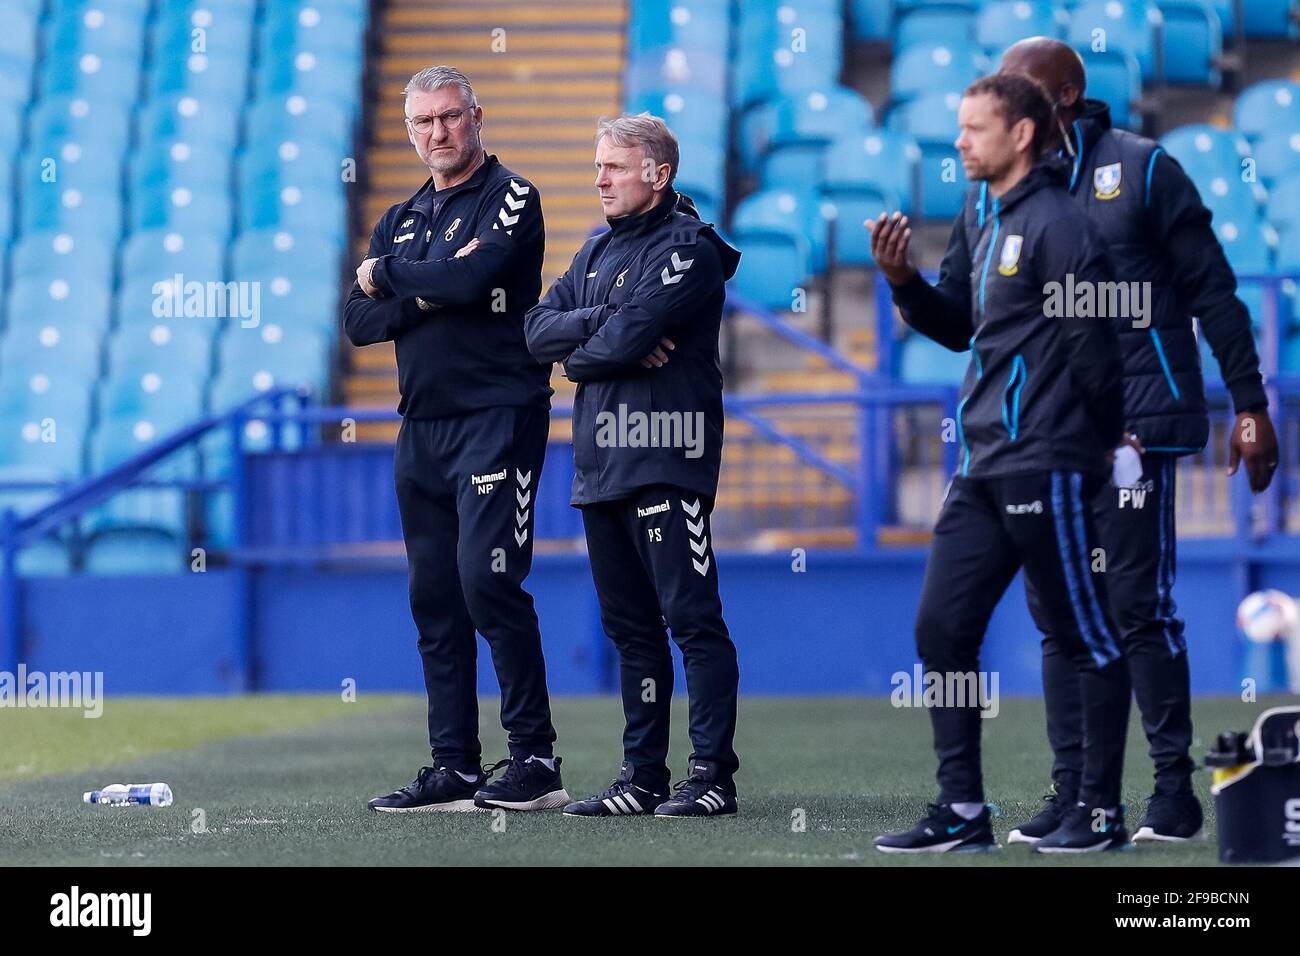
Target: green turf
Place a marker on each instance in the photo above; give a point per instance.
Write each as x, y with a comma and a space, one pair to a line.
296, 795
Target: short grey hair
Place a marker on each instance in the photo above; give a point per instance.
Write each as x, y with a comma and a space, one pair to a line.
436, 77
647, 131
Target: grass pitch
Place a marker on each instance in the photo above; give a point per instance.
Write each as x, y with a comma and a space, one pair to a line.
284, 780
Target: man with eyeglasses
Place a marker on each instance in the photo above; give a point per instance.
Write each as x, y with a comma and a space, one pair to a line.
449, 275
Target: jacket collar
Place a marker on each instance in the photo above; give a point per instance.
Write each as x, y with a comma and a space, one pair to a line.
1084, 133
424, 198
1048, 171
645, 221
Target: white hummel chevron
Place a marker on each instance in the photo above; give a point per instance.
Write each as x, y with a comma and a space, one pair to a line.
520, 190
506, 220
692, 510
514, 204
695, 527
521, 536
700, 546
679, 266
523, 497
523, 478
521, 517
701, 566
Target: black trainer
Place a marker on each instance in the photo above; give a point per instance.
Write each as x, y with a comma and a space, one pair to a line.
704, 793
528, 784
1084, 829
433, 789
622, 798
1171, 818
942, 830
1048, 818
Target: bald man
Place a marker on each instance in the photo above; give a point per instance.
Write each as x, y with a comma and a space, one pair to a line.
1155, 230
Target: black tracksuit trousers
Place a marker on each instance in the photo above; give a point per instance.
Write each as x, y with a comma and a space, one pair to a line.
653, 566
1136, 529
465, 489
988, 530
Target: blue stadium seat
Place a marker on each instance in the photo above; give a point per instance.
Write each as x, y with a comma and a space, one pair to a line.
805, 126
1277, 153
924, 69
1193, 41
878, 162
11, 132
66, 301
772, 266
871, 19
674, 68
149, 300
1267, 106
1129, 28
1268, 18
176, 346
1201, 147
1250, 248
49, 254
147, 550
113, 76
922, 361
33, 347
314, 166
168, 164
931, 119
166, 397
1002, 23
193, 119
281, 252
43, 448
1230, 199
272, 355
275, 119
226, 30
163, 253
312, 75
934, 24
850, 211
100, 124
202, 75
51, 392
1283, 209
206, 211
793, 212
1114, 77
70, 166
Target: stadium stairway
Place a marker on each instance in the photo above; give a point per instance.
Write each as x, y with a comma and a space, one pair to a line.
542, 83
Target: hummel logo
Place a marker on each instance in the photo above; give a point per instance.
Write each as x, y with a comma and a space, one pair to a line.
653, 510
404, 237
591, 275
679, 266
492, 476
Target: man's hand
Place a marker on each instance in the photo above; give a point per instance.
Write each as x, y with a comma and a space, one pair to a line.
363, 278
889, 238
1254, 440
659, 358
466, 249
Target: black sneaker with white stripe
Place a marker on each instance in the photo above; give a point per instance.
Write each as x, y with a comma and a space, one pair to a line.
702, 794
528, 784
1172, 818
434, 789
623, 798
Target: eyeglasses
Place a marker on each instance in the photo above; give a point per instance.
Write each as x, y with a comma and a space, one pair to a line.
424, 124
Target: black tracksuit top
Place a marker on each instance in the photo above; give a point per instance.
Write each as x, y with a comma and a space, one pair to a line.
464, 350
660, 273
1041, 393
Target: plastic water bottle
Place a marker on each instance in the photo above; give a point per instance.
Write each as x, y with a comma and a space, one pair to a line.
124, 794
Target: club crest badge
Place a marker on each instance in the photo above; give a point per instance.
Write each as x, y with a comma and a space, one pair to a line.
1009, 263
1105, 181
